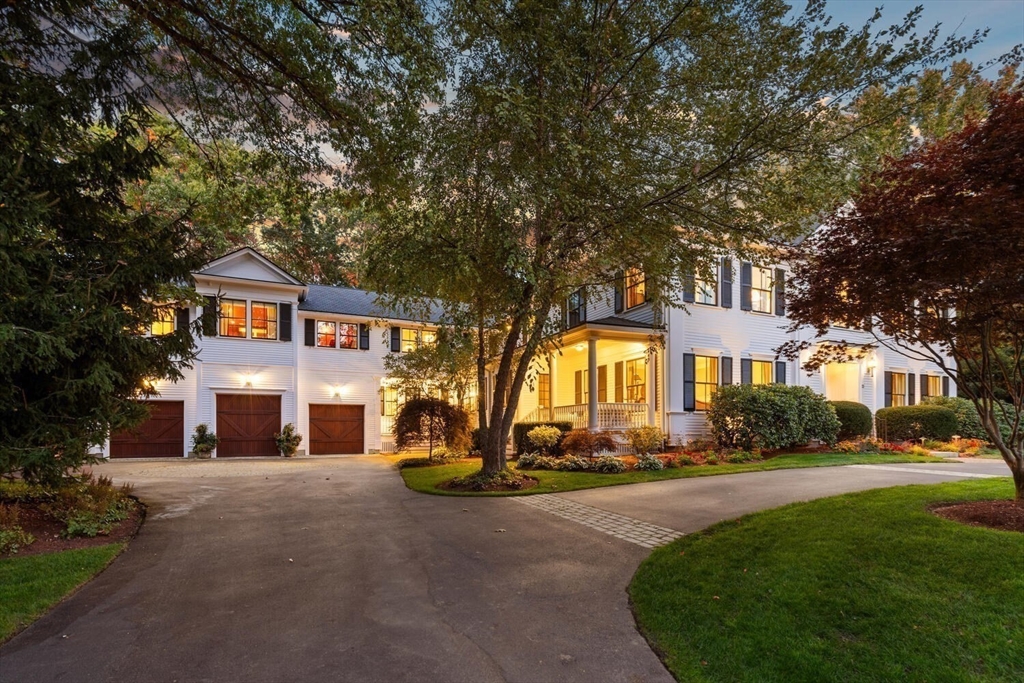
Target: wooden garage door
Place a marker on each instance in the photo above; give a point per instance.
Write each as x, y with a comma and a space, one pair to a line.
335, 429
246, 424
161, 436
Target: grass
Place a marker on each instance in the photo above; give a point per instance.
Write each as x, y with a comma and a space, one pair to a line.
426, 479
861, 587
31, 585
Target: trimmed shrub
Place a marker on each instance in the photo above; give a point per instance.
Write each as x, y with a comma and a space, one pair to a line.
646, 462
572, 463
544, 437
442, 455
522, 444
646, 439
413, 462
740, 457
608, 464
770, 416
854, 419
901, 423
685, 461
535, 461
968, 422
587, 443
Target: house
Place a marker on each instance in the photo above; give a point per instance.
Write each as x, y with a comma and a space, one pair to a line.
275, 351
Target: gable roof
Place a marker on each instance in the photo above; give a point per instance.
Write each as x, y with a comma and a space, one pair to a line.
360, 302
248, 264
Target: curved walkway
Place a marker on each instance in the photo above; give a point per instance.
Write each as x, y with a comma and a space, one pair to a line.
330, 569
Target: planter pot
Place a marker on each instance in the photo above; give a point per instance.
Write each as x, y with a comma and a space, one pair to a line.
203, 455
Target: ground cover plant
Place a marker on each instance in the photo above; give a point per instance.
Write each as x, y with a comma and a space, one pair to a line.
863, 587
433, 479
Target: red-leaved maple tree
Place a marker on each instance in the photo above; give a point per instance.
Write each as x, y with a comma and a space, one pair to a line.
929, 257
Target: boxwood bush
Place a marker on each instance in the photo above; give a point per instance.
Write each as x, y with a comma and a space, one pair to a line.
770, 416
521, 429
968, 422
914, 422
854, 419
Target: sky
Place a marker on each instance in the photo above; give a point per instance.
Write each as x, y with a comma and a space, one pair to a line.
1004, 18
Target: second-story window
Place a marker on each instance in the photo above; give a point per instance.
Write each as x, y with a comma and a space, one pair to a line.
576, 309
325, 334
348, 336
636, 287
164, 323
706, 291
761, 292
410, 340
264, 320
232, 318
428, 337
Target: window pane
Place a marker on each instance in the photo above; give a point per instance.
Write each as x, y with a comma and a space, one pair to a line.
325, 334
899, 389
264, 320
636, 381
636, 287
705, 292
705, 375
761, 290
428, 337
762, 372
348, 336
164, 323
409, 340
934, 385
544, 390
232, 318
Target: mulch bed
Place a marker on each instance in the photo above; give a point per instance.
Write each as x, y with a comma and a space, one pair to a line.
1004, 515
47, 532
528, 483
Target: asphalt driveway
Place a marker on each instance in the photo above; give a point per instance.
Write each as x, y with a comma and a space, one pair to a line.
330, 569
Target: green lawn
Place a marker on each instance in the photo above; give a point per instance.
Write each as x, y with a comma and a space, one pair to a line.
426, 479
31, 585
861, 587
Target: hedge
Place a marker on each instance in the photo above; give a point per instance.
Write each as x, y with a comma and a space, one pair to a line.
520, 430
968, 422
770, 416
854, 419
901, 423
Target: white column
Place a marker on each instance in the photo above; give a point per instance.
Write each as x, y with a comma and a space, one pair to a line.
592, 384
552, 384
652, 386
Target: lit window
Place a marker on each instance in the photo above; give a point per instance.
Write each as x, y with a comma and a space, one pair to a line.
348, 336
325, 334
705, 375
232, 318
761, 290
428, 337
934, 385
410, 340
264, 320
543, 391
636, 287
761, 372
706, 291
164, 323
636, 381
389, 401
899, 389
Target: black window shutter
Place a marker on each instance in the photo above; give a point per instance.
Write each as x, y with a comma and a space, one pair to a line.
310, 331
888, 389
746, 282
211, 317
396, 339
746, 370
924, 386
726, 363
780, 291
364, 336
620, 381
945, 386
780, 372
726, 283
181, 319
689, 387
910, 389
688, 287
619, 295
284, 324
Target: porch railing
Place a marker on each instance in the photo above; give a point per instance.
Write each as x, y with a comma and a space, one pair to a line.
615, 416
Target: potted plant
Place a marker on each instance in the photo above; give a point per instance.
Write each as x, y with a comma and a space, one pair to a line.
204, 441
288, 440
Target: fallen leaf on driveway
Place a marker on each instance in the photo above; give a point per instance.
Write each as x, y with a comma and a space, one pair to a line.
499, 531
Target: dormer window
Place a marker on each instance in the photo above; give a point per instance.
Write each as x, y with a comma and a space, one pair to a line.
232, 318
636, 287
264, 320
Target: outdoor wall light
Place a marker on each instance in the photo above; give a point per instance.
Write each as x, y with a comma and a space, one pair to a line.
337, 391
247, 380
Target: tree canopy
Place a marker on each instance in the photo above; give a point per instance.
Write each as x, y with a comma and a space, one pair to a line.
929, 258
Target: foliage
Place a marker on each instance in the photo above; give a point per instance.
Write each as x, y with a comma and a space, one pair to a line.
203, 440
608, 464
522, 444
288, 440
545, 438
587, 443
645, 462
711, 459
927, 259
431, 420
914, 422
506, 480
447, 366
536, 461
572, 463
685, 461
414, 462
918, 450
12, 536
847, 447
575, 141
442, 455
646, 439
968, 422
770, 416
738, 457
88, 506
854, 419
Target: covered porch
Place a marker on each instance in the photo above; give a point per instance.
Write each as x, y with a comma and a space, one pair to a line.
603, 376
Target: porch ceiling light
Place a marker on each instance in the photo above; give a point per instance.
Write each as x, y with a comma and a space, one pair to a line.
578, 347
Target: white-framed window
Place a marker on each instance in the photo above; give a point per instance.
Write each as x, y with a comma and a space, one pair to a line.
706, 291
325, 334
934, 385
410, 340
899, 389
263, 321
761, 289
233, 318
348, 336
164, 323
636, 287
705, 380
636, 380
761, 372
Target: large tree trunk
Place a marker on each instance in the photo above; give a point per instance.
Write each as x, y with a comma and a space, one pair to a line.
1018, 483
